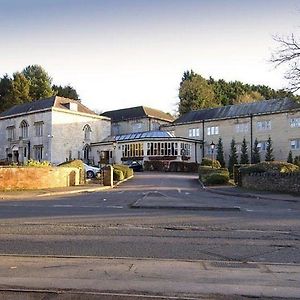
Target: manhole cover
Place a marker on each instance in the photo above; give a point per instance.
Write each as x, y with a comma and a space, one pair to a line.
236, 265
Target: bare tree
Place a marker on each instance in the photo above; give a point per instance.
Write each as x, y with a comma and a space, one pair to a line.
288, 53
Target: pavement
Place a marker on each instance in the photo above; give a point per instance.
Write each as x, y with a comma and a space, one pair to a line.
158, 277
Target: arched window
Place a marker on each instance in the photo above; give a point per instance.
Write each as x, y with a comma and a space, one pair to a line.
87, 132
86, 153
24, 129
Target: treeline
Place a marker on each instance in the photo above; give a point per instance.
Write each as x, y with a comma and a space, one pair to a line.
32, 83
196, 92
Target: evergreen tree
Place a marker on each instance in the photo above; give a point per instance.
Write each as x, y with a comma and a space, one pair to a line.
290, 157
5, 90
255, 153
269, 153
20, 89
40, 82
65, 91
244, 153
220, 153
233, 157
297, 160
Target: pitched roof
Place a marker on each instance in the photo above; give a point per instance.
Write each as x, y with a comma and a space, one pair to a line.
239, 110
136, 113
42, 104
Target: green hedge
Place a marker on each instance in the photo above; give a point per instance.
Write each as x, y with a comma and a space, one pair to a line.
77, 163
182, 166
210, 163
217, 178
128, 172
154, 165
270, 167
118, 175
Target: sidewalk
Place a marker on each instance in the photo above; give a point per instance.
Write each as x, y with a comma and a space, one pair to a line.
160, 277
241, 192
25, 194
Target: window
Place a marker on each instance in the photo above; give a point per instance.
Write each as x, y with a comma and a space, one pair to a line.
263, 125
262, 146
87, 132
38, 128
193, 132
295, 122
185, 149
38, 152
212, 130
162, 149
10, 133
24, 129
295, 144
133, 150
242, 127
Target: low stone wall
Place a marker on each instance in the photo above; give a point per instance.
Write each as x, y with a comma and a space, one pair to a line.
285, 182
13, 178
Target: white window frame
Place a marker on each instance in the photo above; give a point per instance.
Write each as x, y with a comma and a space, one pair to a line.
295, 122
263, 125
295, 144
39, 128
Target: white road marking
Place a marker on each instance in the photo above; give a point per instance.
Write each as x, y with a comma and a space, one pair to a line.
114, 206
178, 190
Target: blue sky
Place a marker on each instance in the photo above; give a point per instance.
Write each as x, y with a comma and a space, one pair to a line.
125, 53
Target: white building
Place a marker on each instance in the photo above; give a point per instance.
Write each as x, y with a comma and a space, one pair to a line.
55, 129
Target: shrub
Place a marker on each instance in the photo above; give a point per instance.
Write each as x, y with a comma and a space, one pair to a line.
154, 165
36, 163
270, 167
118, 175
205, 171
182, 166
211, 163
216, 178
297, 161
77, 163
127, 172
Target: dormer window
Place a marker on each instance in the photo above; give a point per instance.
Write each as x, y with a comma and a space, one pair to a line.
87, 132
24, 129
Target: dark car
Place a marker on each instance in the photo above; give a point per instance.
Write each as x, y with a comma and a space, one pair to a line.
135, 166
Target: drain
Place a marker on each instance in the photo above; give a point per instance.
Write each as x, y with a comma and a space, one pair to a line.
235, 265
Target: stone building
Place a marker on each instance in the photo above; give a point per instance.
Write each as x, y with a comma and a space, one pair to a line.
55, 129
137, 119
278, 119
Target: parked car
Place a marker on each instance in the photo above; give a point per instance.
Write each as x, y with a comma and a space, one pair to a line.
90, 171
135, 166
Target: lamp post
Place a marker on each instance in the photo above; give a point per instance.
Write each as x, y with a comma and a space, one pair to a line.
114, 144
212, 147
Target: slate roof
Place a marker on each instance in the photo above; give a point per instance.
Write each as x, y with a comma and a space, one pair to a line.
137, 113
239, 110
43, 104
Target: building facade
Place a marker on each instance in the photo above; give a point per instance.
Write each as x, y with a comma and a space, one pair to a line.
278, 119
55, 129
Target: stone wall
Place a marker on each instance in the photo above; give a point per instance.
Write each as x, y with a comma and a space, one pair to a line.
13, 178
285, 182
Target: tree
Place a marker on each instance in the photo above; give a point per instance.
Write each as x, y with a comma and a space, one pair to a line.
244, 153
20, 89
288, 53
269, 150
255, 153
290, 157
194, 94
40, 82
233, 157
65, 91
187, 75
297, 160
5, 90
220, 153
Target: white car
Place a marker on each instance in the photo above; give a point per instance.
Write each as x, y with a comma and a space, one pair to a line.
91, 171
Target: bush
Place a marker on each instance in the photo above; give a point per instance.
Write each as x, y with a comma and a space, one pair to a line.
182, 166
77, 163
154, 165
118, 175
127, 172
210, 163
270, 167
216, 178
36, 163
205, 172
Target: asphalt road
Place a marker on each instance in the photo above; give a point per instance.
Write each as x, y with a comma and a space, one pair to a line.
102, 224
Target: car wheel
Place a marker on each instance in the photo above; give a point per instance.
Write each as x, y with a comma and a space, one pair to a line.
90, 174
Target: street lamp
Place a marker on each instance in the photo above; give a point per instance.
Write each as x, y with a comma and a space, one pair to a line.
212, 147
114, 144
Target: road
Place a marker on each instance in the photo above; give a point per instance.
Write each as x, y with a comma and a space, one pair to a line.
102, 225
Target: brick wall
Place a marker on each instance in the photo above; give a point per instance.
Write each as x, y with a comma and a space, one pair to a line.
12, 178
285, 182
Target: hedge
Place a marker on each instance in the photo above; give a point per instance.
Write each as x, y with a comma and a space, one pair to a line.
182, 166
217, 178
118, 175
155, 165
210, 163
206, 172
270, 167
127, 172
